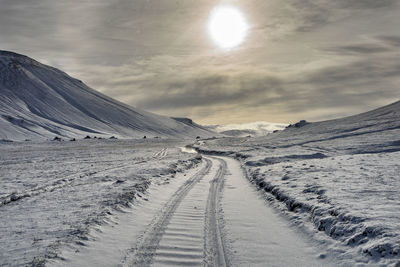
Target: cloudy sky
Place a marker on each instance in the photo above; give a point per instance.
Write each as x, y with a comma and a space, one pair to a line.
301, 59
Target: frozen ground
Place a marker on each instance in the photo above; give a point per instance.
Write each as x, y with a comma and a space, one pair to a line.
145, 202
337, 180
199, 219
137, 203
53, 193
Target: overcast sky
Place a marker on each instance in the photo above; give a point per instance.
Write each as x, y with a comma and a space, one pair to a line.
301, 59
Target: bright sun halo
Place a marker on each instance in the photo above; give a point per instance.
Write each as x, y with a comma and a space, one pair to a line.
227, 26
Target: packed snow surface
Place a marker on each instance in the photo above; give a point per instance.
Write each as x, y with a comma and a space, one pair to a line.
41, 102
337, 180
256, 235
198, 219
53, 193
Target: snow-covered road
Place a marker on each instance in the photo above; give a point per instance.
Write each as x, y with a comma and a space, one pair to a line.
256, 234
209, 216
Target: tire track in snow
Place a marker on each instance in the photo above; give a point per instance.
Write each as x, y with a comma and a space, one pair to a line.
214, 250
57, 184
143, 253
70, 179
160, 154
187, 232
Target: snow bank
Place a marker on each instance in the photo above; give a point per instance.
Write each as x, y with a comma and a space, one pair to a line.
353, 199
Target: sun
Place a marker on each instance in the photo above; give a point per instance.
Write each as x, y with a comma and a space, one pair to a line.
227, 26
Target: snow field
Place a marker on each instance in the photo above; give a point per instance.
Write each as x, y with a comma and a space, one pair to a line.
337, 180
352, 199
53, 193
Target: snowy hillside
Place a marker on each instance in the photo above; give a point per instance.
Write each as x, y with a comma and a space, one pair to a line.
260, 128
38, 102
337, 180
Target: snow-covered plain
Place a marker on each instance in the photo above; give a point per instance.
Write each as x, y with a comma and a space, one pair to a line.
337, 180
53, 193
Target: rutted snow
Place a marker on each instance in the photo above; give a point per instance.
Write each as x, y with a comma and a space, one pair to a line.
338, 180
111, 244
53, 193
176, 226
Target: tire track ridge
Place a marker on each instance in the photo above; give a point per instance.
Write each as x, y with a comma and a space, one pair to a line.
143, 253
214, 249
54, 185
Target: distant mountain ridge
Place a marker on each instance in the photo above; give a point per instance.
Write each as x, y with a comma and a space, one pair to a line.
372, 131
39, 102
259, 128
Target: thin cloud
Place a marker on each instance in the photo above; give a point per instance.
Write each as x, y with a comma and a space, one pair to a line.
303, 59
392, 40
360, 49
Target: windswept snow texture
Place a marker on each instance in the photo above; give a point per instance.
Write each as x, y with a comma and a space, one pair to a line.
259, 128
53, 194
338, 180
39, 102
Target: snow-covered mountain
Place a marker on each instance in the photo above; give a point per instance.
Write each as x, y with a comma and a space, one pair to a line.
39, 101
259, 128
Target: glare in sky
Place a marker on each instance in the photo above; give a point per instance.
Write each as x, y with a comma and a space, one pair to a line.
227, 26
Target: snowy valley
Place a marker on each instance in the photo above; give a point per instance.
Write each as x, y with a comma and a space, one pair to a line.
311, 194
